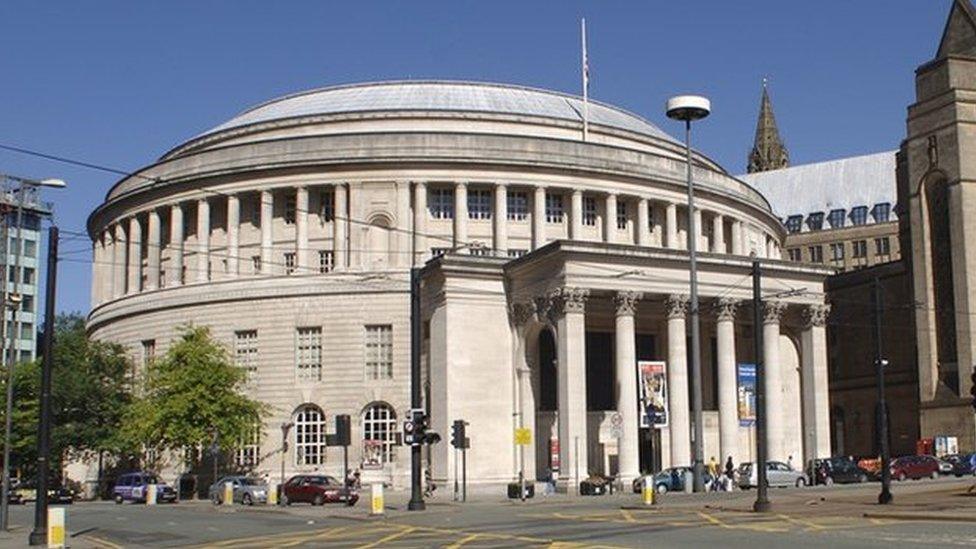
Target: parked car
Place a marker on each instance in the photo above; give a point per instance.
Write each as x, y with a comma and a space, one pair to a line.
840, 470
246, 490
945, 468
668, 480
872, 465
26, 492
778, 474
135, 486
317, 490
961, 464
914, 467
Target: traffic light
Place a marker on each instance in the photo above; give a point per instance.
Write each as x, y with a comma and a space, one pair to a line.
343, 430
972, 388
457, 433
413, 427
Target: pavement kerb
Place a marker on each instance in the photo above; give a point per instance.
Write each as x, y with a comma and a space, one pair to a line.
921, 517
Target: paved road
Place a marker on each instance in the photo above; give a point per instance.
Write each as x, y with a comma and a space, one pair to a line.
801, 518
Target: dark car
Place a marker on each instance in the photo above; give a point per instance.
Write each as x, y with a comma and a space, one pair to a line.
669, 480
26, 492
962, 464
317, 490
135, 487
914, 467
840, 470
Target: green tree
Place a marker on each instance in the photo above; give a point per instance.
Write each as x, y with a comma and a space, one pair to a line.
189, 396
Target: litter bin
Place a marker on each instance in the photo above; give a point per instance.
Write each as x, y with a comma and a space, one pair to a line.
513, 490
590, 488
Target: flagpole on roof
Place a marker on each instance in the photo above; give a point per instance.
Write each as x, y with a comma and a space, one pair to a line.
586, 82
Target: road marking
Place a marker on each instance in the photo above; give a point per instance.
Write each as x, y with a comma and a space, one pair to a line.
389, 538
629, 517
314, 535
713, 520
464, 540
810, 525
103, 543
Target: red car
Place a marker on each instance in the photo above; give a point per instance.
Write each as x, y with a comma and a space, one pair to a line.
914, 467
317, 490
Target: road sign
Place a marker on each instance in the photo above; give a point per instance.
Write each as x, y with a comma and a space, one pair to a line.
523, 436
616, 419
616, 432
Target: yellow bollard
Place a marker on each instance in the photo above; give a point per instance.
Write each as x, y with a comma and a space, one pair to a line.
272, 495
376, 498
228, 493
151, 494
55, 527
647, 490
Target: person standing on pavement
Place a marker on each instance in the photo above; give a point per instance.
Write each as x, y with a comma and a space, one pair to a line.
789, 462
713, 471
729, 474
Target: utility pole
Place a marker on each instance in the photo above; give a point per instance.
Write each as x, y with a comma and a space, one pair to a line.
762, 497
39, 535
8, 364
884, 497
416, 490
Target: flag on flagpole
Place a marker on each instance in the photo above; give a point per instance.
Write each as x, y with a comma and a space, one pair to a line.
586, 81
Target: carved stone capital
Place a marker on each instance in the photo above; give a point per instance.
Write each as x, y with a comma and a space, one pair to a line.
772, 311
567, 299
725, 309
626, 302
676, 306
816, 315
521, 312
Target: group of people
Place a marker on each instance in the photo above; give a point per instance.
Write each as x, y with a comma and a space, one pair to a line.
722, 481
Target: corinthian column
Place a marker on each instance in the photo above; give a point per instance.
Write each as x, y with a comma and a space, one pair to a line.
539, 218
576, 215
816, 411
461, 215
610, 218
301, 230
176, 245
203, 240
671, 225
772, 312
728, 413
501, 220
643, 224
567, 306
118, 285
419, 222
233, 232
679, 422
135, 255
267, 218
154, 247
625, 349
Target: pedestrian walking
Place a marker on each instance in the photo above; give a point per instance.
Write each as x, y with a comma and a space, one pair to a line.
789, 462
729, 474
713, 471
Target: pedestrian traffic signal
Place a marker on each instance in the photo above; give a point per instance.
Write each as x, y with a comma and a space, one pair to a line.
413, 427
457, 433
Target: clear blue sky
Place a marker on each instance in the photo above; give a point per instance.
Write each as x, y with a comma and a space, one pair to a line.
118, 83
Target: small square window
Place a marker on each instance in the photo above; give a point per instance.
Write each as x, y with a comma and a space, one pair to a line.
795, 254
326, 263
859, 249
794, 224
441, 203
836, 218
859, 215
881, 212
516, 252
815, 221
837, 252
882, 246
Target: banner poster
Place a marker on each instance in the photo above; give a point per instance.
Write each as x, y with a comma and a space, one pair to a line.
372, 454
746, 393
653, 387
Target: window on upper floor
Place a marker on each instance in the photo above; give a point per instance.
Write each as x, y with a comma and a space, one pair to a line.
256, 264
379, 351
621, 214
326, 261
308, 353
30, 248
514, 252
441, 203
518, 206
816, 254
837, 252
554, 208
859, 215
881, 212
148, 353
327, 205
859, 249
289, 263
589, 211
882, 246
309, 435
479, 204
794, 254
794, 223
436, 252
27, 303
290, 209
836, 218
815, 221
246, 351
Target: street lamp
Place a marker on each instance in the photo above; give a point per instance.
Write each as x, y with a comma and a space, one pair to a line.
689, 108
285, 427
11, 301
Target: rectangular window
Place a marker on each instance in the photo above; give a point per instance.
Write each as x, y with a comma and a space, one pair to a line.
246, 352
27, 330
148, 353
27, 305
327, 206
289, 262
836, 218
621, 215
379, 351
516, 253
859, 215
589, 211
518, 206
441, 203
308, 353
437, 252
794, 254
248, 449
815, 221
859, 249
794, 223
290, 210
30, 248
882, 246
482, 251
554, 208
326, 261
479, 204
256, 264
837, 252
816, 254
881, 212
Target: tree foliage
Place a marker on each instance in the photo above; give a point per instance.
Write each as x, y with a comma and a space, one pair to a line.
190, 396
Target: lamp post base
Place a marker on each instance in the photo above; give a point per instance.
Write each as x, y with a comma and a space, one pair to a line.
416, 505
761, 506
884, 498
37, 538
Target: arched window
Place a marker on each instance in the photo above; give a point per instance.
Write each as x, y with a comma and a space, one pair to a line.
309, 435
379, 434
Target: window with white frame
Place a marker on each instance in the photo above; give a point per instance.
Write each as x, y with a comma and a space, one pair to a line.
589, 211
379, 351
515, 252
248, 452
309, 435
836, 218
881, 212
290, 209
621, 215
246, 351
327, 206
554, 208
859, 215
441, 203
326, 261
518, 205
479, 204
289, 262
308, 353
379, 434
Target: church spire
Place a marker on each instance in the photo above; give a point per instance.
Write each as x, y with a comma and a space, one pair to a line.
768, 152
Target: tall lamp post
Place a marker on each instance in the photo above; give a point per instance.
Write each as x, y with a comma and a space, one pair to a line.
11, 301
689, 108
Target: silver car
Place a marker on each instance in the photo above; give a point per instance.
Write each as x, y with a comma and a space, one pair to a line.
778, 474
246, 490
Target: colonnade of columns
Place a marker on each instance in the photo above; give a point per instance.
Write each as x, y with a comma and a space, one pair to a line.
564, 309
